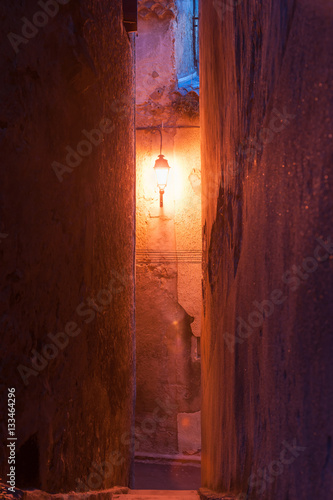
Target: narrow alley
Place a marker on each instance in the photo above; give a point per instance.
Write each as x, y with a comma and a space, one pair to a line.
166, 252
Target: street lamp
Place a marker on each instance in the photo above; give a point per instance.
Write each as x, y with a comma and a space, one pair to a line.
161, 168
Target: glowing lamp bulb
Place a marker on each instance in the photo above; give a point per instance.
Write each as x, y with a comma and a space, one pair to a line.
162, 173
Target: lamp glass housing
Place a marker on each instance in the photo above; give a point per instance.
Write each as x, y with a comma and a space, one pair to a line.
162, 172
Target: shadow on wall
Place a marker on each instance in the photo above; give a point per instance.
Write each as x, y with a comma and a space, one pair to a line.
168, 378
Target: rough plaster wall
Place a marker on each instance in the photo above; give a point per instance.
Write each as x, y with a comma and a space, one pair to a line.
168, 378
157, 97
67, 241
187, 194
156, 77
168, 291
264, 204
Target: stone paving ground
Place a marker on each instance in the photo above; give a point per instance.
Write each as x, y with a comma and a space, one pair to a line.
166, 476
157, 481
158, 495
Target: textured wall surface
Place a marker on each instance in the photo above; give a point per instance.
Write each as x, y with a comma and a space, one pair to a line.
168, 273
67, 242
168, 292
266, 109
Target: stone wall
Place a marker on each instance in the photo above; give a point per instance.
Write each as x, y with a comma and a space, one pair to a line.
168, 305
168, 273
266, 123
67, 242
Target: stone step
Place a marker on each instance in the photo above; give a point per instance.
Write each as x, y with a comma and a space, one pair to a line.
158, 495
